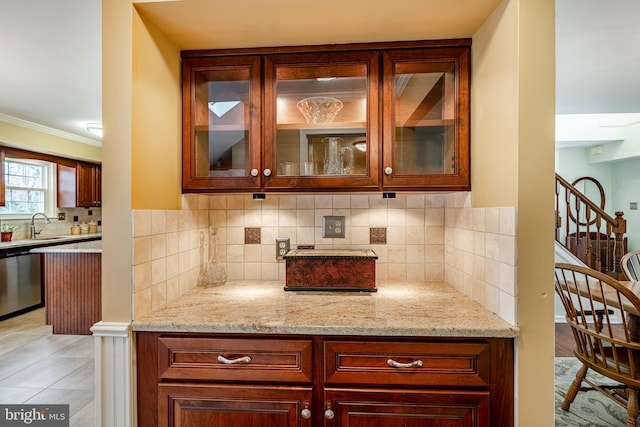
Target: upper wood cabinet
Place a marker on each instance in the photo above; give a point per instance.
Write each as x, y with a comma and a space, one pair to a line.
392, 116
80, 185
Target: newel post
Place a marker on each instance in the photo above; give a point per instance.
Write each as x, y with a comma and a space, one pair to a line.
619, 229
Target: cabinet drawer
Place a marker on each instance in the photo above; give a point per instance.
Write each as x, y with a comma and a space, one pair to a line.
237, 360
407, 363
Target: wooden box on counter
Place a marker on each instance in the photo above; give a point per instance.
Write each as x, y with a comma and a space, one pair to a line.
331, 269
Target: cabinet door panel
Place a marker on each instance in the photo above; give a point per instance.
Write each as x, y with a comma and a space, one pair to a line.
407, 408
426, 119
221, 123
321, 121
86, 185
196, 405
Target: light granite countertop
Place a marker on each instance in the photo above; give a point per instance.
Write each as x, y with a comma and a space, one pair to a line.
93, 246
403, 309
47, 241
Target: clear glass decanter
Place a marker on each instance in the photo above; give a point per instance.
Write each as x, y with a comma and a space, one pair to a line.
213, 273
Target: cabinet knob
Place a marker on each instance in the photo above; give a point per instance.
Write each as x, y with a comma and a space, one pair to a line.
306, 413
329, 414
254, 172
267, 172
388, 170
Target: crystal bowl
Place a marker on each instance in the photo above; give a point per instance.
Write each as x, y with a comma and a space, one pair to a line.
319, 109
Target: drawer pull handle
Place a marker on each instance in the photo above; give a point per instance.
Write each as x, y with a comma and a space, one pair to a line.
244, 359
414, 364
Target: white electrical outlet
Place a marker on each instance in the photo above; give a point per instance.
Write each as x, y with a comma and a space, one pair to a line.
282, 247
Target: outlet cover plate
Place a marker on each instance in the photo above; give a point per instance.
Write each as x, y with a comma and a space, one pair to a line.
282, 247
333, 226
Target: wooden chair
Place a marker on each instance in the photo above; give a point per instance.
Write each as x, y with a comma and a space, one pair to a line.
630, 263
603, 341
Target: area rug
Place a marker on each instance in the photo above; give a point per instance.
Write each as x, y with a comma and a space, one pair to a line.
590, 408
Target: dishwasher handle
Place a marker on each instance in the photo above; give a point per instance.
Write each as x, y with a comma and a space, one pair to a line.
14, 253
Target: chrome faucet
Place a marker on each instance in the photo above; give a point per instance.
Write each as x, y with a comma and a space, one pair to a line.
35, 233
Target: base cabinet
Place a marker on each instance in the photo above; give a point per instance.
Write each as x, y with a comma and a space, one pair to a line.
192, 380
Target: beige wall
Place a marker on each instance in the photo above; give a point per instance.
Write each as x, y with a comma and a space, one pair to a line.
30, 139
157, 115
512, 165
536, 130
116, 154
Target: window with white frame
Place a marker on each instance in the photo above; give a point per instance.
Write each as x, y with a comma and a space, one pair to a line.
29, 187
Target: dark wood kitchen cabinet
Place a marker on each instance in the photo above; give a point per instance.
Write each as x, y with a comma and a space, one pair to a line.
80, 185
190, 379
365, 117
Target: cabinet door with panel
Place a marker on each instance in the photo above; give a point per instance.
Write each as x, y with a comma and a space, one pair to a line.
426, 119
321, 120
89, 185
405, 408
221, 123
197, 405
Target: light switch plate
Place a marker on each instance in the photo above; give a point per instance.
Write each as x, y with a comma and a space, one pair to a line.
333, 226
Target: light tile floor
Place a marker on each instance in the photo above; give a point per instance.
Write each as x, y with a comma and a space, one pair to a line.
39, 367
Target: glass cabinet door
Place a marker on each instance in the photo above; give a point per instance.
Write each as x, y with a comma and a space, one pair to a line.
321, 122
426, 119
221, 123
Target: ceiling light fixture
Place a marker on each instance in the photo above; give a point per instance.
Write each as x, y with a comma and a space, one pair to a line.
95, 128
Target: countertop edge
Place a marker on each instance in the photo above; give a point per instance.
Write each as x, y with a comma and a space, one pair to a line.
513, 332
32, 244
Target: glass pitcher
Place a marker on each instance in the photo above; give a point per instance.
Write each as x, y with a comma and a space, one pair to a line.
334, 156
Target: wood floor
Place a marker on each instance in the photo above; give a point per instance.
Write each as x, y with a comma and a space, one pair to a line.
564, 340
39, 367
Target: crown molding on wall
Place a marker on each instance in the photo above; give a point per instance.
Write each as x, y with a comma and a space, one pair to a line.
48, 130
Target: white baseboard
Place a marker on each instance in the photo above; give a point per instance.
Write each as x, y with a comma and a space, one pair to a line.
114, 382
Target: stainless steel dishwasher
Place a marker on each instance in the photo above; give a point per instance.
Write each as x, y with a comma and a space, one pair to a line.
20, 282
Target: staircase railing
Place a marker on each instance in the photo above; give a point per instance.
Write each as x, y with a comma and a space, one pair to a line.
588, 232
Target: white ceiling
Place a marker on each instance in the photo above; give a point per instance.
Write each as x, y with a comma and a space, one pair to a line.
51, 68
50, 73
